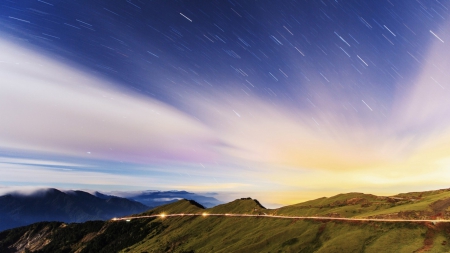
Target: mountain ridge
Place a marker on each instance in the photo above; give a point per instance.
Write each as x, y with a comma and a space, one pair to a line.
50, 204
204, 233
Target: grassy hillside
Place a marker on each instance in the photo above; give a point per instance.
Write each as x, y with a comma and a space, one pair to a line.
342, 205
252, 234
418, 205
259, 234
240, 206
181, 206
226, 234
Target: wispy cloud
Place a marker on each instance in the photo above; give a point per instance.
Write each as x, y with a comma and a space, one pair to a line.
52, 108
37, 162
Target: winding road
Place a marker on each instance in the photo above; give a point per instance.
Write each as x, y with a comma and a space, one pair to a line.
272, 216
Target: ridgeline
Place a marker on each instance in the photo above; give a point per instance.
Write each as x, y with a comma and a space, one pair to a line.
257, 233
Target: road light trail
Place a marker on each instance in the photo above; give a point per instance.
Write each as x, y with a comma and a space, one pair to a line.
273, 216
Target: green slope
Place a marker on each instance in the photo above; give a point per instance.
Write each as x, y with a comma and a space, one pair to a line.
180, 206
239, 206
417, 205
429, 205
342, 205
227, 234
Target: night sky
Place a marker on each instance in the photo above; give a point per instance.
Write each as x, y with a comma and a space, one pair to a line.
280, 100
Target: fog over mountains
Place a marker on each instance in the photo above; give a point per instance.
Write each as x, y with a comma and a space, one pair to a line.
157, 198
20, 209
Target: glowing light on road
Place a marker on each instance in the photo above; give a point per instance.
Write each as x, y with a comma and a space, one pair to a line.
163, 215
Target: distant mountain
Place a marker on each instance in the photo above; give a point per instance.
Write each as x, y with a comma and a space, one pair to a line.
259, 233
158, 198
102, 196
53, 205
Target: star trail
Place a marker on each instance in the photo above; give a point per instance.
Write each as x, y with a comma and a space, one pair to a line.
281, 100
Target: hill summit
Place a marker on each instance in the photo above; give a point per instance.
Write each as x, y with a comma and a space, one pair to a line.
180, 206
239, 206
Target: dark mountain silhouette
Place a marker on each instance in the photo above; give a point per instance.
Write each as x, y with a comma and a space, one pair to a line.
53, 205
